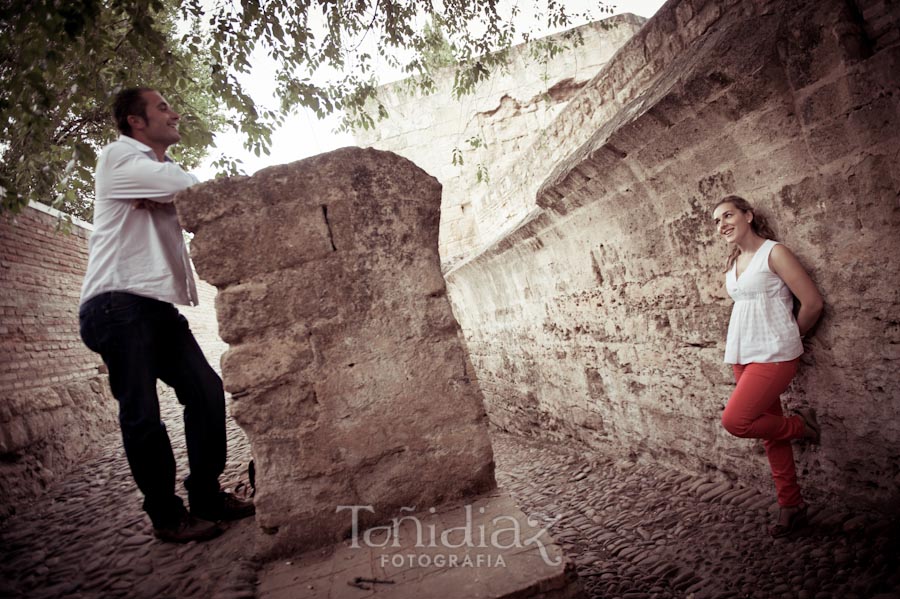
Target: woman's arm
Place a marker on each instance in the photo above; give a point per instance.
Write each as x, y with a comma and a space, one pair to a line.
783, 263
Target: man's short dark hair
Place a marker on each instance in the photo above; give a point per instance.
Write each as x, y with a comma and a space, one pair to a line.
129, 102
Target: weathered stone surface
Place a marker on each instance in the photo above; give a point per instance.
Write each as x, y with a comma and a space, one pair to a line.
497, 128
346, 363
485, 549
602, 316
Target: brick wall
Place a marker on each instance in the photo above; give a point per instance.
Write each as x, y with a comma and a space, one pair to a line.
54, 403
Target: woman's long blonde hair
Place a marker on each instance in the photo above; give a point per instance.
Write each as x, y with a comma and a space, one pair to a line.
759, 224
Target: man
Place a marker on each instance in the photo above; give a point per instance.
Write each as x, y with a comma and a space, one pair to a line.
138, 267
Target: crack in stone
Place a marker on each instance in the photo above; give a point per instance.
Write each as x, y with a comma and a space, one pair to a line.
328, 225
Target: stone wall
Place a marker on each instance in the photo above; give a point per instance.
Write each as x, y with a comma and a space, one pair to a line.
55, 404
346, 366
494, 128
601, 319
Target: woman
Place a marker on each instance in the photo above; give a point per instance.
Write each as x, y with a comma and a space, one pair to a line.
764, 346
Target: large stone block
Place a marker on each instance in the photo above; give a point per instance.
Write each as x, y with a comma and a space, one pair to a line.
346, 364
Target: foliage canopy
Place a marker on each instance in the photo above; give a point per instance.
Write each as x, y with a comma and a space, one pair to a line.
62, 60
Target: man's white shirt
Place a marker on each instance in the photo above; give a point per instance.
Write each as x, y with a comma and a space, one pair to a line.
137, 250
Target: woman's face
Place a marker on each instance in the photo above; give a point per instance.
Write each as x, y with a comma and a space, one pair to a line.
732, 223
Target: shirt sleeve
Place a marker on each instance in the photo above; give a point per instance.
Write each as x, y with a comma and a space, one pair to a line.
134, 175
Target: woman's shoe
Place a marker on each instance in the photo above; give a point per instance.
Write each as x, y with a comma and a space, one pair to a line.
812, 424
795, 521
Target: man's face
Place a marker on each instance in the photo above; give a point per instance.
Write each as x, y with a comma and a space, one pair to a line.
161, 125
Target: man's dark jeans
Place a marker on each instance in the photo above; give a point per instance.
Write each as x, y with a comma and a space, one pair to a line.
142, 340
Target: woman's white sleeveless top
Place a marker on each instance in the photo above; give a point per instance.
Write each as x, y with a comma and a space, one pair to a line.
762, 326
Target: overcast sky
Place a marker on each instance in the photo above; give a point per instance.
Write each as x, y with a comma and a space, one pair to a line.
304, 135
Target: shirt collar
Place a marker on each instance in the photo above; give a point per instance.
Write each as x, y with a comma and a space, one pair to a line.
140, 146
133, 142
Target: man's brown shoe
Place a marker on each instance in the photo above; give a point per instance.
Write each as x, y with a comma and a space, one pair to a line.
188, 528
224, 506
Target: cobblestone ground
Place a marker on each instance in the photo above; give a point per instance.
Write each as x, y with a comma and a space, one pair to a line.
88, 537
637, 532
633, 531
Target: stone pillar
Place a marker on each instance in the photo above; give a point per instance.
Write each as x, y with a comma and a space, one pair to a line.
346, 364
